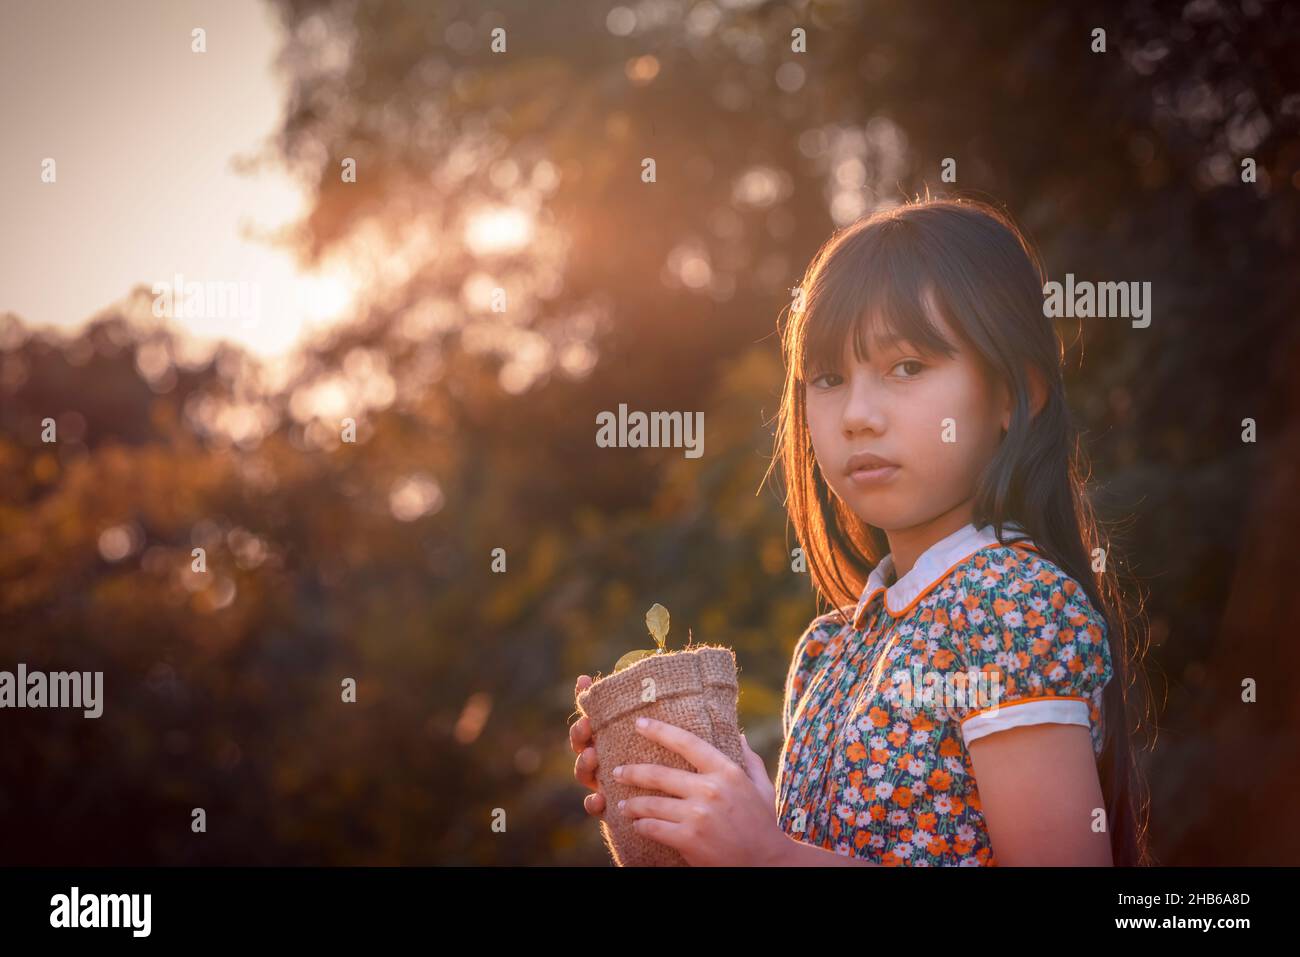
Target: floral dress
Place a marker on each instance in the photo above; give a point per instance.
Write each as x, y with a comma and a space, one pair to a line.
977, 637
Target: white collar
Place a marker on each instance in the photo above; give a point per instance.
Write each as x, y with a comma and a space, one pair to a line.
931, 567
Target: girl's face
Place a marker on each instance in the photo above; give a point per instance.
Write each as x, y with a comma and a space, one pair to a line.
927, 425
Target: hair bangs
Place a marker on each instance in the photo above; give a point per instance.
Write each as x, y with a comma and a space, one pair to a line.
874, 288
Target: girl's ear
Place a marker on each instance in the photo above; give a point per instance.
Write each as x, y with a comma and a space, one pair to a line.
1037, 397
1037, 391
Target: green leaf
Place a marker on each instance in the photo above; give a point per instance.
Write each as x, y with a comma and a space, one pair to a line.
632, 657
656, 619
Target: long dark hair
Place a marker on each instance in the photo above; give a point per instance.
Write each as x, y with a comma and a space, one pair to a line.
988, 282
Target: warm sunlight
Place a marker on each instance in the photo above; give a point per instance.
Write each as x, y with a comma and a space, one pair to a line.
324, 298
498, 230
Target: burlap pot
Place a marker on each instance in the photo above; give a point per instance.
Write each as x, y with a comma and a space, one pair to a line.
694, 689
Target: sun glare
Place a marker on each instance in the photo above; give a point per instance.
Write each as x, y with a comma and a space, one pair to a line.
324, 298
498, 230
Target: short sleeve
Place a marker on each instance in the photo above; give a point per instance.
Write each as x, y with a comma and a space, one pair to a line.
1033, 648
807, 649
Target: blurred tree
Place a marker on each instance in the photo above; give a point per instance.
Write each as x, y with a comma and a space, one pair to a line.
522, 171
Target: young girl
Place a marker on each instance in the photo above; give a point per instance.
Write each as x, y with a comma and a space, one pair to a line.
967, 703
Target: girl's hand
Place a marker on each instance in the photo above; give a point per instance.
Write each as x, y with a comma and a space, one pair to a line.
721, 815
584, 769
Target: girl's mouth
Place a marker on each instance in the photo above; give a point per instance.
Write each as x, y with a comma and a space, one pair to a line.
873, 476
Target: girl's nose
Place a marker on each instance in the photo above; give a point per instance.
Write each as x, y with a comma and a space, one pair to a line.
863, 412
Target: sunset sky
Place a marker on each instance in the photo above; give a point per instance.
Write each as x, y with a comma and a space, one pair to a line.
144, 133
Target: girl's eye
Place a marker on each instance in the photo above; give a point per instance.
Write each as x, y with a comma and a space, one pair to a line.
911, 368
825, 375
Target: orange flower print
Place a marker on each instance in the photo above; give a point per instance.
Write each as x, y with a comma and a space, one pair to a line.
939, 780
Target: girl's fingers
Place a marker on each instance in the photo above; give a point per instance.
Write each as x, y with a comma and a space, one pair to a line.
658, 777
700, 753
580, 735
584, 769
665, 809
757, 770
580, 731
